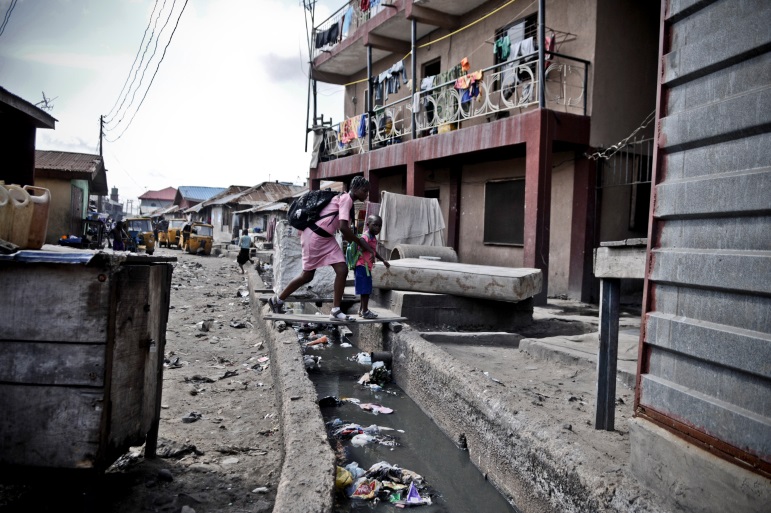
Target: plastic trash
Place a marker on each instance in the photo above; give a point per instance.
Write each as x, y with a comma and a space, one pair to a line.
343, 478
361, 440
364, 358
375, 408
365, 489
355, 470
321, 340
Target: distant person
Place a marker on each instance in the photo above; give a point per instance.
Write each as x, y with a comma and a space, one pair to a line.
186, 234
244, 254
119, 235
362, 273
320, 250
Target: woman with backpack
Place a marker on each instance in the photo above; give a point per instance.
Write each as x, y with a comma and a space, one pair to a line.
320, 248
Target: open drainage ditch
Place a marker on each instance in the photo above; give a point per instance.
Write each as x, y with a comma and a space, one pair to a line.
405, 438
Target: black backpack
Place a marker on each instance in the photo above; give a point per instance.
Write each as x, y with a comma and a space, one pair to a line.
306, 210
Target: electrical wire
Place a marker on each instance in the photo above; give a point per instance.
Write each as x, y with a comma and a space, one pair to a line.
141, 61
610, 151
142, 77
154, 74
149, 22
7, 16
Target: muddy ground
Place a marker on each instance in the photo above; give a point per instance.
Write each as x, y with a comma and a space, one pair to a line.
229, 459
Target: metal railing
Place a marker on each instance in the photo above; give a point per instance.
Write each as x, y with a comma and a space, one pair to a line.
505, 87
341, 24
630, 165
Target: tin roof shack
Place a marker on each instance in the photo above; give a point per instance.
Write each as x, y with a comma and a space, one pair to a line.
71, 178
188, 196
77, 391
19, 121
155, 200
220, 210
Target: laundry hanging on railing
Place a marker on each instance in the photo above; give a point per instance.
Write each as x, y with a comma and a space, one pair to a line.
348, 130
469, 84
387, 82
329, 36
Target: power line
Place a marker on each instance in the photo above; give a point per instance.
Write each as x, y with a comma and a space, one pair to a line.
153, 77
142, 78
141, 61
7, 16
609, 152
135, 60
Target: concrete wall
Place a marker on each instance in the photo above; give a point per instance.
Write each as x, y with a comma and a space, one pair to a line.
561, 222
623, 68
707, 335
471, 247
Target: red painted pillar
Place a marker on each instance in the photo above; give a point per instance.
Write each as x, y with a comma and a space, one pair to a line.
538, 161
581, 278
416, 181
314, 184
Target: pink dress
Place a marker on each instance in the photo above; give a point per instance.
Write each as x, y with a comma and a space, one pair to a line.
320, 251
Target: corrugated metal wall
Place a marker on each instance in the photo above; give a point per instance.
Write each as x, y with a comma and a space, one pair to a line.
705, 365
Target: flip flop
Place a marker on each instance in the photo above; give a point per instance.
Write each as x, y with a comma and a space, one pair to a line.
340, 316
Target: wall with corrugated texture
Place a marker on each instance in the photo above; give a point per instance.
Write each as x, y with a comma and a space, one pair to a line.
706, 354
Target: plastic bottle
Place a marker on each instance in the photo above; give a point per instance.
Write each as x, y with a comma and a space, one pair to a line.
40, 199
21, 215
6, 214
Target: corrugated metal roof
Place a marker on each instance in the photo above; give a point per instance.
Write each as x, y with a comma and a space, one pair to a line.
67, 161
274, 206
195, 193
167, 194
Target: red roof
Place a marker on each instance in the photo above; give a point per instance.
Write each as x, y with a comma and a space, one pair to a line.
167, 194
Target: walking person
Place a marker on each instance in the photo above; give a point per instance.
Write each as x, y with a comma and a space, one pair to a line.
362, 273
320, 250
119, 235
245, 245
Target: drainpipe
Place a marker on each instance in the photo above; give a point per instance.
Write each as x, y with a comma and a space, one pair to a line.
541, 42
414, 34
369, 98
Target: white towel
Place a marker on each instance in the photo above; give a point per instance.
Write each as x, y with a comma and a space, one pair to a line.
410, 220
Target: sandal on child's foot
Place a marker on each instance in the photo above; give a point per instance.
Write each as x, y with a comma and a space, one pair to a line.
276, 306
337, 315
369, 314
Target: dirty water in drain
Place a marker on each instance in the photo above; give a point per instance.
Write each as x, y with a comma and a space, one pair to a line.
413, 442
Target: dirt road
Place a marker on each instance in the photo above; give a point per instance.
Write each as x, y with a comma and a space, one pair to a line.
219, 430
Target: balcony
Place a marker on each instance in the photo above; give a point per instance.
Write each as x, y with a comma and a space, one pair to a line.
340, 42
493, 93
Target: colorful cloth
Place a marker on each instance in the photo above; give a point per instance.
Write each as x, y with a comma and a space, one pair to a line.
366, 258
320, 251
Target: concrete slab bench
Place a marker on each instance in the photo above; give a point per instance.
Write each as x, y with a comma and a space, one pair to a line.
480, 281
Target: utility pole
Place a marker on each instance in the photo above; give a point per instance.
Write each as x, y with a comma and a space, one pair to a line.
101, 133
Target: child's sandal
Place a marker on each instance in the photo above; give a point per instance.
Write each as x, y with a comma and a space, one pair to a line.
369, 314
338, 315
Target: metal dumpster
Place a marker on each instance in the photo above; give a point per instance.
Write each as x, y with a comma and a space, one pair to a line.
82, 335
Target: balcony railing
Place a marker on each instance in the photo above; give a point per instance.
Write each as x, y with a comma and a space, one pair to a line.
496, 92
341, 24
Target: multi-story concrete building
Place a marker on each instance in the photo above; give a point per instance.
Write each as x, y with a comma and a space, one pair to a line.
510, 152
468, 102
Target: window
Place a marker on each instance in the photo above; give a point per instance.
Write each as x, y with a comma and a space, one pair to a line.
505, 212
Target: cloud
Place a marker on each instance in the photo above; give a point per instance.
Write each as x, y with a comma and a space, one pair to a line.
73, 60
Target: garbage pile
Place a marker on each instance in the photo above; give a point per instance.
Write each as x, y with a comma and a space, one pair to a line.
383, 482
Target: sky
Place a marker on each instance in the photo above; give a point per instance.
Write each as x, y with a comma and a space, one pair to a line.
227, 104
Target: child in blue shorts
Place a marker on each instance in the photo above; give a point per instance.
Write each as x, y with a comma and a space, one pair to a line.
362, 272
